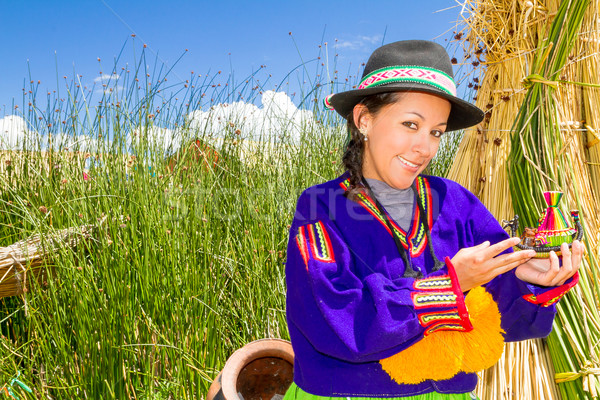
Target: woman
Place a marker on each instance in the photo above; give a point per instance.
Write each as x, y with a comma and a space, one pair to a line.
372, 309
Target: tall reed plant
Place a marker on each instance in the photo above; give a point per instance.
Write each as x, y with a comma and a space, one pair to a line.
187, 265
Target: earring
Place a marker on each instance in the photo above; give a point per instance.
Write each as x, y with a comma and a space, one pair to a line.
364, 133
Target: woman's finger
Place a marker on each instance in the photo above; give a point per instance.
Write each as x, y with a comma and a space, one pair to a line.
512, 265
495, 249
575, 260
519, 257
506, 262
480, 246
566, 269
577, 256
553, 271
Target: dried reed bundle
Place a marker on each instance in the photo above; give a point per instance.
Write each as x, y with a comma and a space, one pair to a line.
588, 52
503, 35
524, 372
497, 35
26, 260
515, 40
548, 152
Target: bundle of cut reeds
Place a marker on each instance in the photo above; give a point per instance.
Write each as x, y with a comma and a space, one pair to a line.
500, 39
26, 260
535, 40
588, 50
548, 153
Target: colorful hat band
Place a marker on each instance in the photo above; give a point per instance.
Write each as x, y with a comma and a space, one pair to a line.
427, 76
327, 102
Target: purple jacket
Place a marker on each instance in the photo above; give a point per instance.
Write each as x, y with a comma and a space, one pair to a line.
349, 306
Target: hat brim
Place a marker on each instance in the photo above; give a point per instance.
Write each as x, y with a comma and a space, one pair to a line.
462, 114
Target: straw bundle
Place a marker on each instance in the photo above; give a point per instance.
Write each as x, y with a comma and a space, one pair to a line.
512, 41
26, 260
501, 36
588, 49
548, 131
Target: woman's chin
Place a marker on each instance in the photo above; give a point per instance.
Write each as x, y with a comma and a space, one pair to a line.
402, 182
403, 177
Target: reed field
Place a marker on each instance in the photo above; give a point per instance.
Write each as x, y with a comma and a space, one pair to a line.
190, 228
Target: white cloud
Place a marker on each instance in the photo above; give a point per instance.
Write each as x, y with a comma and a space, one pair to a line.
106, 77
278, 119
14, 135
13, 131
155, 139
359, 42
107, 84
164, 139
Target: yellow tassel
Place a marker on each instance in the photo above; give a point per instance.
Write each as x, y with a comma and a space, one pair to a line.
423, 360
483, 345
443, 354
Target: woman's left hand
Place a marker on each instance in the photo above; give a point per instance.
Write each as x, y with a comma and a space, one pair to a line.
547, 271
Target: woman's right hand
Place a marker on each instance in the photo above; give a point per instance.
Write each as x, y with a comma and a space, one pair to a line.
480, 264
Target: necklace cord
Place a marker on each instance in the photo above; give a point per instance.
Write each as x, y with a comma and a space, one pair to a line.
409, 271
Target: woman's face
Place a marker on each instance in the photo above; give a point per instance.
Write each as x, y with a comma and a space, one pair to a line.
402, 137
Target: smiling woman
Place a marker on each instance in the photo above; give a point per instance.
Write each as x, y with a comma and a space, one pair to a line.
403, 137
372, 309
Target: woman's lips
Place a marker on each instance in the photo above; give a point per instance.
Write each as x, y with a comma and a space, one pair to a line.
408, 164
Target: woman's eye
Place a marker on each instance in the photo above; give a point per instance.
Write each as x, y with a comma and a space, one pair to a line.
437, 134
410, 125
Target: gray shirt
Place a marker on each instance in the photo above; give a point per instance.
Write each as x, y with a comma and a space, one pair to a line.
397, 202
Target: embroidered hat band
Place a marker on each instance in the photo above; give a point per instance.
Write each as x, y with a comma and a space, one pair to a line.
428, 76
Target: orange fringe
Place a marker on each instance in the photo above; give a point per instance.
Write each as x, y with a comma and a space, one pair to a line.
443, 354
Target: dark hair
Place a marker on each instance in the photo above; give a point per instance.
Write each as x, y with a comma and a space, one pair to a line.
353, 156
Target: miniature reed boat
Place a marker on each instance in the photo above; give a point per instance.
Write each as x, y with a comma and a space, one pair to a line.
553, 229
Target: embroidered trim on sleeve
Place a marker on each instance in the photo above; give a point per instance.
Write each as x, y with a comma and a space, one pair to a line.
462, 308
320, 243
301, 242
437, 299
440, 303
438, 316
442, 282
445, 326
552, 296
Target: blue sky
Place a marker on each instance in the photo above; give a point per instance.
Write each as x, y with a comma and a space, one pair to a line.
50, 39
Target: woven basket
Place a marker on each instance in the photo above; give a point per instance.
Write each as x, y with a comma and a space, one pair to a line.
27, 261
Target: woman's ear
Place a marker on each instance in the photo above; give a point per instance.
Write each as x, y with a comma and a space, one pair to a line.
361, 117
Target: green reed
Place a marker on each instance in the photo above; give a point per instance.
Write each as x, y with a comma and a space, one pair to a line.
188, 261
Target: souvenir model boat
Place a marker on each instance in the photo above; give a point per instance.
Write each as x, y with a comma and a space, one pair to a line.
553, 229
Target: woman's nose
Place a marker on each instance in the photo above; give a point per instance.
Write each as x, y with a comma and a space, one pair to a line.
422, 144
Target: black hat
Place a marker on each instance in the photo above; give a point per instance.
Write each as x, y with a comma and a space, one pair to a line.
411, 65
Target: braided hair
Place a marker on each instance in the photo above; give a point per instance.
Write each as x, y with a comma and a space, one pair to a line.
354, 154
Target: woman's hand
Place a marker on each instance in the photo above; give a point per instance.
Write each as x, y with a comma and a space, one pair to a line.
477, 265
547, 271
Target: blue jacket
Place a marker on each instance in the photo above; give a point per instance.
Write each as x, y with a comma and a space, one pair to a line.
349, 306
